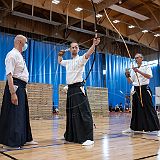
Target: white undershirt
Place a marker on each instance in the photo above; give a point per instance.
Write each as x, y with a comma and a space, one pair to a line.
16, 65
145, 68
74, 69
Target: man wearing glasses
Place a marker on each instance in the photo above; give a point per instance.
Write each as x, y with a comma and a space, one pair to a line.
144, 116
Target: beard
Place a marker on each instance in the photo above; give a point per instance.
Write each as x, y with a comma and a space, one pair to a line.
74, 53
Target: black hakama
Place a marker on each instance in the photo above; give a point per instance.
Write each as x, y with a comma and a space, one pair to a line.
15, 128
79, 122
144, 118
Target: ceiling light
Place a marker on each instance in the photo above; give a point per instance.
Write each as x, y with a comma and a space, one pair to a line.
131, 26
55, 1
157, 35
120, 2
116, 21
99, 15
78, 9
145, 31
96, 1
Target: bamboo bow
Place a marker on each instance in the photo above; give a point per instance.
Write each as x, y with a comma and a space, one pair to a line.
141, 100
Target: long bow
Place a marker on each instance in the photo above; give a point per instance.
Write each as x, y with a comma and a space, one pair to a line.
95, 28
141, 100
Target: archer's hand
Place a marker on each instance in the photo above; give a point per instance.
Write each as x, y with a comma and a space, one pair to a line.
127, 73
61, 53
135, 69
14, 99
96, 41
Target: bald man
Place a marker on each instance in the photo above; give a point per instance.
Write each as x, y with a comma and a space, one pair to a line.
15, 130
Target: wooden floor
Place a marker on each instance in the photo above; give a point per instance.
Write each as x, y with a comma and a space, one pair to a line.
110, 143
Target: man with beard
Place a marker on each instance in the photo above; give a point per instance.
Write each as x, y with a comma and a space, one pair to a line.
144, 116
79, 122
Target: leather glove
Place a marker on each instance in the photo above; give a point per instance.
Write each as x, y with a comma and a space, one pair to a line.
61, 53
127, 73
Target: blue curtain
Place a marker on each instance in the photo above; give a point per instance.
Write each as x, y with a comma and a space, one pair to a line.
155, 81
116, 82
6, 44
41, 60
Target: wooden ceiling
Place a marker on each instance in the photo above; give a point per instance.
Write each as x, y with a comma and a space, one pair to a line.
46, 21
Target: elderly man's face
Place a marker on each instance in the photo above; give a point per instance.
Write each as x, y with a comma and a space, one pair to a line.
138, 58
22, 41
74, 49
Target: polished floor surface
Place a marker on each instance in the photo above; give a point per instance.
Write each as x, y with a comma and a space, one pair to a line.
110, 143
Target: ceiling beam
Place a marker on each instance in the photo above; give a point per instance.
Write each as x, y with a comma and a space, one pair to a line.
132, 9
129, 12
77, 17
5, 3
105, 4
136, 7
150, 24
157, 2
43, 2
23, 15
154, 16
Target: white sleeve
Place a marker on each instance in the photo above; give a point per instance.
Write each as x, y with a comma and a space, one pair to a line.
10, 65
149, 71
132, 74
64, 62
83, 59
